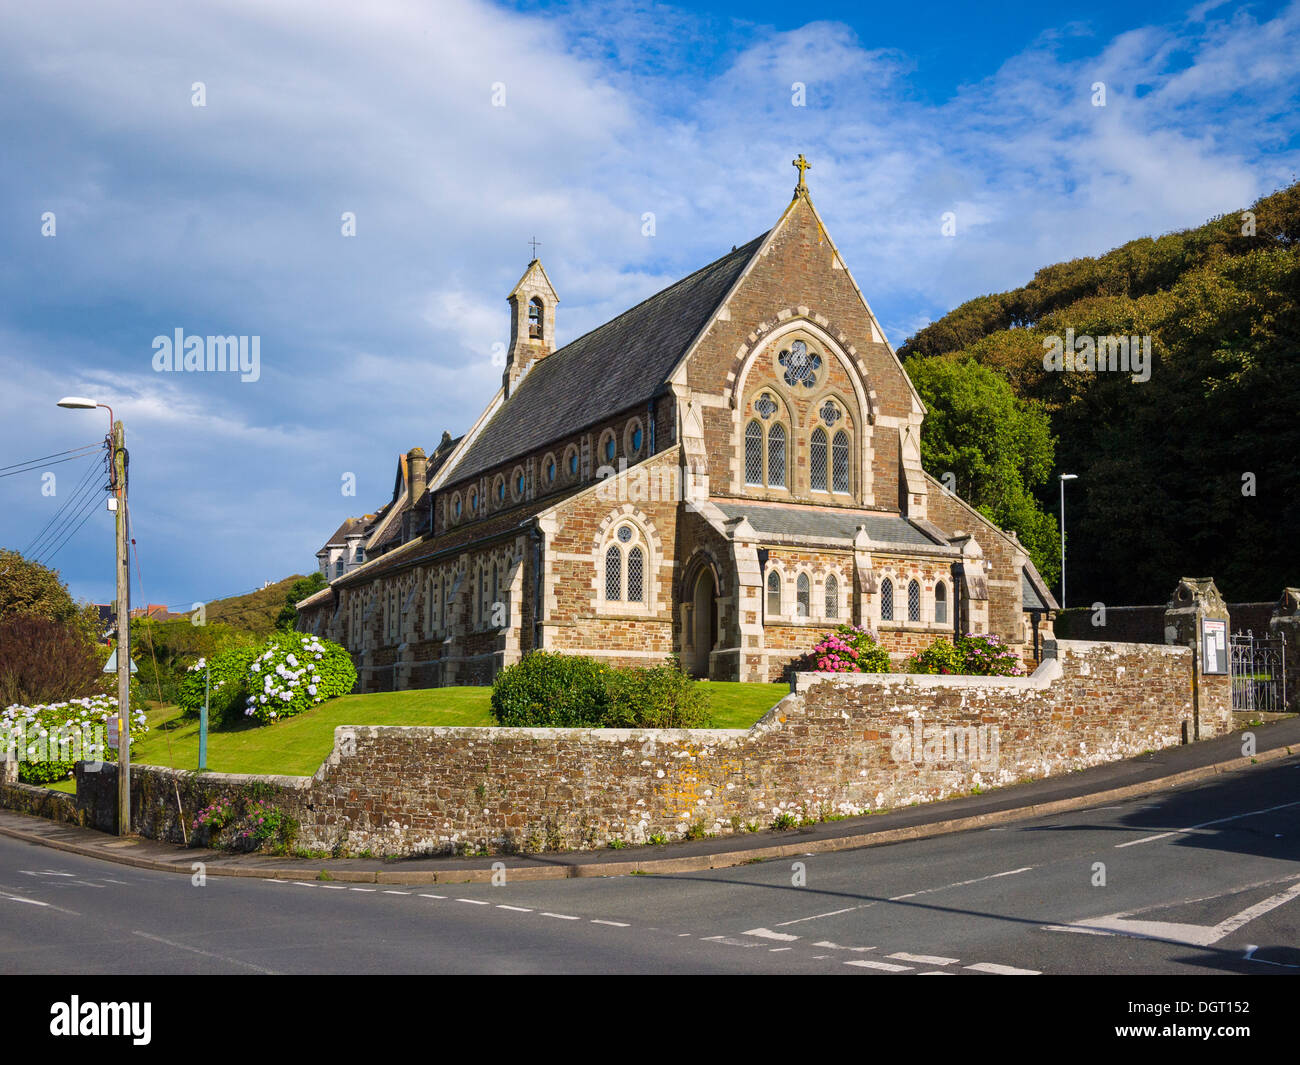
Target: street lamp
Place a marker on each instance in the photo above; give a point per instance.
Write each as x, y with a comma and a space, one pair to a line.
1063, 478
117, 504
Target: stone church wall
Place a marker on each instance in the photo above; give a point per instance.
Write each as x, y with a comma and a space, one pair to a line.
842, 744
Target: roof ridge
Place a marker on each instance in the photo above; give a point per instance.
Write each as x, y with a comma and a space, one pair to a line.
655, 295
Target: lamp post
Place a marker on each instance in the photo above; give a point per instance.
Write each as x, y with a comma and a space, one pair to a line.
117, 504
1063, 478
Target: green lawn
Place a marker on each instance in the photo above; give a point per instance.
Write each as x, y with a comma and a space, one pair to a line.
298, 746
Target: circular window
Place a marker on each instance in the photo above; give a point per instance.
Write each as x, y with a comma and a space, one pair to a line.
625, 533
801, 365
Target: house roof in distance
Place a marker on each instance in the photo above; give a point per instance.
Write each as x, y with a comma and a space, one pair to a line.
616, 366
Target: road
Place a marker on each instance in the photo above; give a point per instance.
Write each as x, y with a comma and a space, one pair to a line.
1204, 879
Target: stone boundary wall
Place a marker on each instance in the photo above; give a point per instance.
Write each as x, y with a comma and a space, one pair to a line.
839, 744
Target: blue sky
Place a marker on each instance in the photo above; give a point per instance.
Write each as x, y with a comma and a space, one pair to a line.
226, 218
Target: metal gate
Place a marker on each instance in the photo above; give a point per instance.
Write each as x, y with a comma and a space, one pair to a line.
1258, 672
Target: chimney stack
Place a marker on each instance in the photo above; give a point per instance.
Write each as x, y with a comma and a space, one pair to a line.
417, 467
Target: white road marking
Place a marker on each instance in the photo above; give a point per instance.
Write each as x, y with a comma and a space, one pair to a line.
1002, 970
923, 959
832, 913
368, 890
1073, 928
474, 902
44, 872
303, 883
108, 881
503, 906
883, 966
424, 896
206, 953
836, 946
729, 941
962, 883
276, 880
19, 898
936, 972
1205, 824
777, 950
764, 933
335, 887
1195, 935
396, 892
560, 916
614, 924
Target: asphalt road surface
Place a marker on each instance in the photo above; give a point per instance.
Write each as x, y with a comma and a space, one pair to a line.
1203, 879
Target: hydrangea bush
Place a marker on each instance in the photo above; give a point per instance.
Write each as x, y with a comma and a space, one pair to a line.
294, 672
849, 649
50, 737
974, 654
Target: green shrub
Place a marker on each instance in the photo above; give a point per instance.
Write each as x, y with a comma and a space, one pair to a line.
552, 690
289, 673
547, 689
655, 697
975, 654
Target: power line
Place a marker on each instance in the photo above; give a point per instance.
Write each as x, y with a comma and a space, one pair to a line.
89, 509
28, 462
68, 505
40, 464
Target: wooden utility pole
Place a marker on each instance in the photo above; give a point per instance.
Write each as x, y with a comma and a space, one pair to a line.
123, 634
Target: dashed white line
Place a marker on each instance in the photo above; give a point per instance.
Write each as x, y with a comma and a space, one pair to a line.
560, 916
335, 887
777, 950
424, 896
396, 892
303, 883
1204, 824
19, 898
923, 959
837, 946
368, 890
832, 913
1001, 970
961, 883
882, 966
503, 906
475, 902
205, 953
615, 924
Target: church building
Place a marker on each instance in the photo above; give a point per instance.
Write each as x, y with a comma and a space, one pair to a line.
722, 473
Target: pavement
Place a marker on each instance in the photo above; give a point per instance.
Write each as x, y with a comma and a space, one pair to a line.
1152, 774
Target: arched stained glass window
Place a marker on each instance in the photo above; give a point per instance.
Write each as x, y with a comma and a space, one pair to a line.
573, 463
776, 456
832, 596
840, 462
817, 461
613, 574
801, 365
940, 602
754, 454
886, 600
913, 601
774, 593
803, 595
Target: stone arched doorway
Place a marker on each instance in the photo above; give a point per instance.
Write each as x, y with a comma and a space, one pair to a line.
702, 636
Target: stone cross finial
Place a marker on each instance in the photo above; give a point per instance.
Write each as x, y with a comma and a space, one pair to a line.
801, 164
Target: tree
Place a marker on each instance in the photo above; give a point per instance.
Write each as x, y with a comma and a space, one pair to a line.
44, 661
298, 591
27, 588
998, 447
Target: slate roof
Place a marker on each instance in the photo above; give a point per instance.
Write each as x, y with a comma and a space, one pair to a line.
1034, 594
616, 366
825, 522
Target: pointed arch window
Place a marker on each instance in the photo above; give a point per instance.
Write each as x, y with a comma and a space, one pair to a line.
776, 456
840, 462
886, 600
774, 594
940, 602
817, 461
627, 566
803, 596
613, 574
635, 576
913, 601
832, 596
754, 454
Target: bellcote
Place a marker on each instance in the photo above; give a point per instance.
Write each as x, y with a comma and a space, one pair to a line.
532, 323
